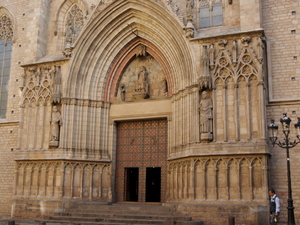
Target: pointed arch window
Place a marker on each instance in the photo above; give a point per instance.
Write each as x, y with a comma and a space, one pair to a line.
6, 35
210, 13
74, 23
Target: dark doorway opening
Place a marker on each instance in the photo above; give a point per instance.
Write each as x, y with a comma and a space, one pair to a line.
131, 184
153, 184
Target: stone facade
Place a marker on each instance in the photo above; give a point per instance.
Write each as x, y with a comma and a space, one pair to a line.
80, 69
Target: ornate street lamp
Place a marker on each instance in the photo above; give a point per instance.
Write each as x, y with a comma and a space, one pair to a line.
287, 144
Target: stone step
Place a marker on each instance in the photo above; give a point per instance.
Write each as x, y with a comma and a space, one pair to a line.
122, 222
84, 220
133, 215
18, 222
121, 211
60, 222
134, 207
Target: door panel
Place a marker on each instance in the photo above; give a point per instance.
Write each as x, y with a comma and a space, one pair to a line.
131, 184
141, 144
153, 183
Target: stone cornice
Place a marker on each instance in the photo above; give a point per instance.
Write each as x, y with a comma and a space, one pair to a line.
224, 35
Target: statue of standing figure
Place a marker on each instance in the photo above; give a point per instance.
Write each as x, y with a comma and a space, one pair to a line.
141, 84
122, 91
55, 126
205, 110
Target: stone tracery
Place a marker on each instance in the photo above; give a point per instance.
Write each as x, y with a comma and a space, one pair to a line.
6, 28
74, 23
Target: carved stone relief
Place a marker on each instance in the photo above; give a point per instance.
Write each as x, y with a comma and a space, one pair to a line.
142, 79
41, 83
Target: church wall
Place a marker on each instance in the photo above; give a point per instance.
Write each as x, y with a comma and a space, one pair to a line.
9, 126
9, 133
283, 46
280, 18
250, 9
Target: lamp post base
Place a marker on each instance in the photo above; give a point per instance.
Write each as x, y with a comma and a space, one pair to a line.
290, 208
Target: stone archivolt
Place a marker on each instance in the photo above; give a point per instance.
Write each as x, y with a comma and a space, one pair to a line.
98, 31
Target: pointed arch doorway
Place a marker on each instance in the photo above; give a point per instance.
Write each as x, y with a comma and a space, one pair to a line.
141, 161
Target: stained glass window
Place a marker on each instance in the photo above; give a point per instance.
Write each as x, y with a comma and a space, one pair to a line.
6, 34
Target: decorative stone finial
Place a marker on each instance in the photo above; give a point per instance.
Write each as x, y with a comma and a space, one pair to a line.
222, 43
246, 41
205, 79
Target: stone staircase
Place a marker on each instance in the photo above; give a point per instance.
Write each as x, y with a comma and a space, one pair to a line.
119, 214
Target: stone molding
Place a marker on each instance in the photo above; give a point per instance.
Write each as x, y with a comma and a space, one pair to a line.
216, 179
63, 180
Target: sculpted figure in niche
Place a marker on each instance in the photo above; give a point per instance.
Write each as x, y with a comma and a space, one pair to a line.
141, 84
163, 87
55, 126
70, 31
205, 110
122, 91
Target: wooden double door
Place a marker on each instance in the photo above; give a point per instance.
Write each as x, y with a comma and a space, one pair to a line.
141, 161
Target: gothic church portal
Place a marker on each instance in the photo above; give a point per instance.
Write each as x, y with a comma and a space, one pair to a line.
163, 101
